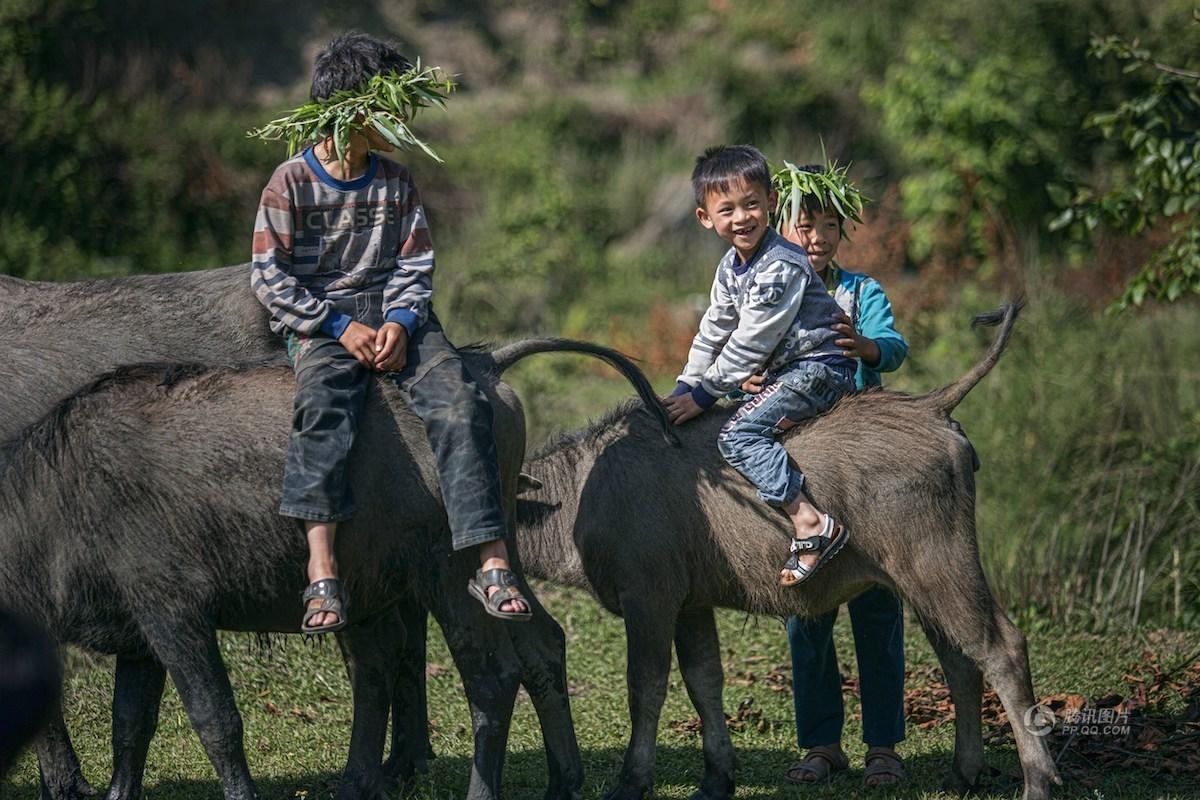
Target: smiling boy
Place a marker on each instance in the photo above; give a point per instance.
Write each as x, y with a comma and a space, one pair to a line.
768, 311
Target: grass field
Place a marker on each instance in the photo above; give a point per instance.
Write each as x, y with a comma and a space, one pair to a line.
295, 701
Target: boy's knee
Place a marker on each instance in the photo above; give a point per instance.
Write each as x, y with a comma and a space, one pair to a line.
448, 389
727, 446
473, 404
733, 440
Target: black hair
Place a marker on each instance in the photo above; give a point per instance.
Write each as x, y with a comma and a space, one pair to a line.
720, 166
351, 60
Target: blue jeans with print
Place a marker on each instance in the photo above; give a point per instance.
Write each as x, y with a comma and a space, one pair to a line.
878, 623
749, 440
330, 389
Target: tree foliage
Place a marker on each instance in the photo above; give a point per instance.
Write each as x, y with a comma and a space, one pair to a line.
1159, 129
977, 134
104, 178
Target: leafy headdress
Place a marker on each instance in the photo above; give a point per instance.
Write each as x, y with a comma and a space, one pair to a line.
386, 102
829, 186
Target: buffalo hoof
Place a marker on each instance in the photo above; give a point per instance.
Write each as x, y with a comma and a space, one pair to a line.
709, 793
398, 772
626, 791
76, 788
958, 784
563, 793
355, 787
1039, 788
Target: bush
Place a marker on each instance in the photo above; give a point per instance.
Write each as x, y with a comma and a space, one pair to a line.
1089, 435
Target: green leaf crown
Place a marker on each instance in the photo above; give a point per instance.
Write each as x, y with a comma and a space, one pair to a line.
386, 102
831, 187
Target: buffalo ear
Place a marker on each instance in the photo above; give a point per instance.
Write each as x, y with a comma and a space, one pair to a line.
527, 483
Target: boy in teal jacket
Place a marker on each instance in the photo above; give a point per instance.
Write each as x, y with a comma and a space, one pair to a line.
869, 335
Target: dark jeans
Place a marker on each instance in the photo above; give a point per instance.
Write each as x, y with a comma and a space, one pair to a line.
878, 624
330, 389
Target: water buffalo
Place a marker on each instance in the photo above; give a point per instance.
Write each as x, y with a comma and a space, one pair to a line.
186, 467
143, 315
60, 336
662, 539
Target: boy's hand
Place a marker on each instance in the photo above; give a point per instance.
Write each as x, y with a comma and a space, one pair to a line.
391, 347
359, 339
853, 345
754, 383
681, 408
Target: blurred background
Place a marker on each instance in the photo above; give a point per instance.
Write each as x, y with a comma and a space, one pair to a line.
1008, 148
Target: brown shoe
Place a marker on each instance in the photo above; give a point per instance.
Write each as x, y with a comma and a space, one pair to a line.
884, 768
819, 765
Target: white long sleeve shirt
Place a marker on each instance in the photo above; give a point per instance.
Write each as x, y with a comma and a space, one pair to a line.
768, 312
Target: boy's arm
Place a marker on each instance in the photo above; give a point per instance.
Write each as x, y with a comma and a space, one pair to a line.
876, 322
271, 272
409, 289
770, 309
718, 322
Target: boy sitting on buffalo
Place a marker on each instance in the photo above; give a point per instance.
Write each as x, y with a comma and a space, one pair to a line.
344, 262
768, 312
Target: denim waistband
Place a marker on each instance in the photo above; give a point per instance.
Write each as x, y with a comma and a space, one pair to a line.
844, 366
366, 307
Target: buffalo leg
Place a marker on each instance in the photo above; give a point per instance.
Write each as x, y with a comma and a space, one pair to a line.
984, 634
999, 649
491, 676
58, 765
136, 698
699, 652
367, 649
966, 692
648, 633
1006, 666
189, 651
411, 750
541, 645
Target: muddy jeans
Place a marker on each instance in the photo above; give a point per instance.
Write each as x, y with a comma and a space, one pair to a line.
330, 389
749, 442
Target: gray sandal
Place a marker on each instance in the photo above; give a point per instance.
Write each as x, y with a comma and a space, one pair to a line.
333, 600
827, 544
507, 581
819, 765
884, 768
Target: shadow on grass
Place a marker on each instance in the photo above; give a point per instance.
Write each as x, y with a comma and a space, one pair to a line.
679, 771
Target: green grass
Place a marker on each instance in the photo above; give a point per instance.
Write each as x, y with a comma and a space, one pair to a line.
296, 705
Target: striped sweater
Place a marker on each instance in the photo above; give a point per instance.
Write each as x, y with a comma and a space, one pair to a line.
768, 312
317, 238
